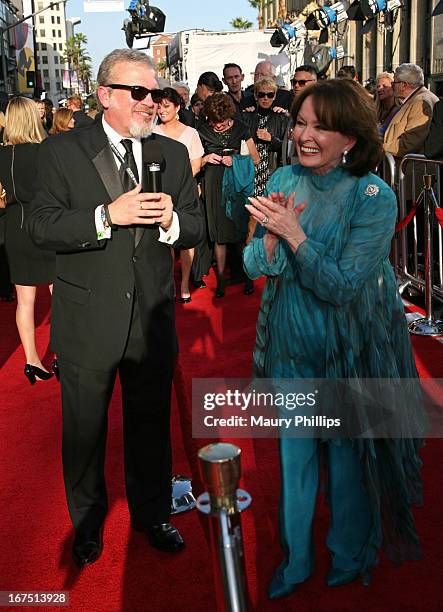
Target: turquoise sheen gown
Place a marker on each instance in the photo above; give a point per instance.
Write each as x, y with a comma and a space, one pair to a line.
332, 310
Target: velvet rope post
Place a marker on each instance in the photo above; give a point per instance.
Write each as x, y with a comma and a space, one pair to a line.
404, 222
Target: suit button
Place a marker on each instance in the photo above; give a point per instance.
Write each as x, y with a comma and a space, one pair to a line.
135, 258
128, 295
84, 245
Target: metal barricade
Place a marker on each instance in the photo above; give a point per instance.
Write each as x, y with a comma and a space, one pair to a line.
388, 172
415, 268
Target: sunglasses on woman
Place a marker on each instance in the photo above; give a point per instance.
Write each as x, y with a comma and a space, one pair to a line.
139, 93
266, 94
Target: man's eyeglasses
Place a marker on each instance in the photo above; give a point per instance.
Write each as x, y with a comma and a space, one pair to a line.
139, 93
397, 82
266, 94
302, 82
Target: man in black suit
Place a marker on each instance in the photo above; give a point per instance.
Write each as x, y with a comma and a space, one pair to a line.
113, 301
81, 119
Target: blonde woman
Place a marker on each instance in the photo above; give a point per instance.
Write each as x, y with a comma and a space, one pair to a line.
63, 121
385, 100
29, 265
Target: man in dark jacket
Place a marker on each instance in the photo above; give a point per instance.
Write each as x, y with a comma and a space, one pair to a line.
113, 305
81, 119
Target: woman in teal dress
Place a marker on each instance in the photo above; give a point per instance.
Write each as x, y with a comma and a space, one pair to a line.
331, 309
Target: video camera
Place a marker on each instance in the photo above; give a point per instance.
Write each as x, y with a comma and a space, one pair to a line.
144, 20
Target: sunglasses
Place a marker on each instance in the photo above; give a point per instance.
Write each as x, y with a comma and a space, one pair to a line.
266, 94
139, 93
301, 82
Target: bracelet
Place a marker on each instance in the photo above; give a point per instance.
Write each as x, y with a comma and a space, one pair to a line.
108, 219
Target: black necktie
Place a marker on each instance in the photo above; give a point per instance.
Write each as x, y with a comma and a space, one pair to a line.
129, 162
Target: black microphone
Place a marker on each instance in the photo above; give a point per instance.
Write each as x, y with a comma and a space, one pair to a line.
152, 165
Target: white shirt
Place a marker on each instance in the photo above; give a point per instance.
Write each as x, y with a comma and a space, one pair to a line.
167, 236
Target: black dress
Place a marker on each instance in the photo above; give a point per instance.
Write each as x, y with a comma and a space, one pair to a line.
29, 265
221, 229
270, 152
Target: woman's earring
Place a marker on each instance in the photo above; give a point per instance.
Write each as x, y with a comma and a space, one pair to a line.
344, 159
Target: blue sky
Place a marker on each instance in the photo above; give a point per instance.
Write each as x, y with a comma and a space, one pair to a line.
104, 33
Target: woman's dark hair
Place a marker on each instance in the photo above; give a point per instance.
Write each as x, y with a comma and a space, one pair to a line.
211, 80
173, 96
219, 107
342, 105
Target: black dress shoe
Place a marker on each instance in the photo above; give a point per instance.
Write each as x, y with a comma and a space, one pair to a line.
33, 372
88, 546
164, 536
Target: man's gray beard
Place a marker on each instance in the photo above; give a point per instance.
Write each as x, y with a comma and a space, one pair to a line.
140, 131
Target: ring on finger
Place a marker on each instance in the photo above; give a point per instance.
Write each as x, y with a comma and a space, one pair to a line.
141, 206
265, 220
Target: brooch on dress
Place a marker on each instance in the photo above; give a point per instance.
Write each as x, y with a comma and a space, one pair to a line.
372, 190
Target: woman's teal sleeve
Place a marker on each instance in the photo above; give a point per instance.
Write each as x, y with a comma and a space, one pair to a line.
339, 280
255, 259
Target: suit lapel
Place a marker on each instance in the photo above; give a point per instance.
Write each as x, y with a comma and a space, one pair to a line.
98, 150
106, 167
96, 146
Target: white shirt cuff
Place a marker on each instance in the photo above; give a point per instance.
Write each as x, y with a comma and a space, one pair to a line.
172, 234
102, 232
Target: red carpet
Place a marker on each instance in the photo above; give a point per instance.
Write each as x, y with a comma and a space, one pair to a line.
216, 339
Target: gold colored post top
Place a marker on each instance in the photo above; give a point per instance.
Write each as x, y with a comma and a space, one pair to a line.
427, 181
220, 468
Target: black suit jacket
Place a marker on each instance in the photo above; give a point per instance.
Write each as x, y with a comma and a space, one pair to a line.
96, 279
81, 119
434, 141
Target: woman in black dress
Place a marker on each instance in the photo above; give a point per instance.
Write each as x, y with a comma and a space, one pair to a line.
29, 265
221, 136
268, 130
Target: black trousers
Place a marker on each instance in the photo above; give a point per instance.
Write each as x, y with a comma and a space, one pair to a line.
146, 397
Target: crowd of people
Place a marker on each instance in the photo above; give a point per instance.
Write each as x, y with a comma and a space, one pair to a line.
260, 182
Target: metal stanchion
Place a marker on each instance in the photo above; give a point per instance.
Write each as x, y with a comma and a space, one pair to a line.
427, 326
414, 279
220, 469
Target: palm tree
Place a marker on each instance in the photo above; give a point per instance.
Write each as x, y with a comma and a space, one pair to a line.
241, 24
78, 59
259, 5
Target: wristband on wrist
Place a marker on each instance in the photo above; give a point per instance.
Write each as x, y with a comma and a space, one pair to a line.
107, 221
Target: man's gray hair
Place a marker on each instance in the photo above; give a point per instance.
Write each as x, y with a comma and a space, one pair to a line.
121, 55
180, 84
268, 65
411, 74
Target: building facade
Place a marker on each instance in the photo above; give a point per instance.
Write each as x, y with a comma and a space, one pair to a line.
50, 37
10, 12
160, 53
